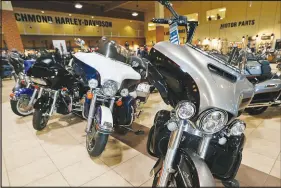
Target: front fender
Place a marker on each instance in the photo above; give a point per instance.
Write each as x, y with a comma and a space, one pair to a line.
191, 163
105, 124
43, 103
192, 170
23, 91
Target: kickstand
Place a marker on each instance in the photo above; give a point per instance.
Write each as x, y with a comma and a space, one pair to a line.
138, 132
138, 113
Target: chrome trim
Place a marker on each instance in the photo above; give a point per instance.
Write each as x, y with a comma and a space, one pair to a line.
54, 103
173, 145
91, 112
204, 145
32, 98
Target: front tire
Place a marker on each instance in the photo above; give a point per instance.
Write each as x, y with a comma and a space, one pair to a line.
96, 145
16, 106
256, 110
96, 141
39, 121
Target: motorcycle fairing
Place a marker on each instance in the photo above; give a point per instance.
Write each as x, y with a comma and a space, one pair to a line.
212, 86
108, 69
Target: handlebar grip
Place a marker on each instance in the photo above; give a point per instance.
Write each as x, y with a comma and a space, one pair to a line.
160, 21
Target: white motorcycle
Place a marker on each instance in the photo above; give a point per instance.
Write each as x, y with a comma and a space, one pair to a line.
111, 101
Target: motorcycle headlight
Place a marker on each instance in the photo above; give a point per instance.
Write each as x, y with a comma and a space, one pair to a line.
185, 110
124, 92
110, 88
237, 127
212, 121
38, 81
135, 64
93, 83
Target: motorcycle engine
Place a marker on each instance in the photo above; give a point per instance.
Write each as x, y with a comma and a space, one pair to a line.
64, 103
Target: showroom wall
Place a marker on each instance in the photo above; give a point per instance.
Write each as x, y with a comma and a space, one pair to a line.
37, 28
265, 13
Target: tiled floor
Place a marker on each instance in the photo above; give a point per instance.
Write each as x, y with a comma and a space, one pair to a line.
57, 156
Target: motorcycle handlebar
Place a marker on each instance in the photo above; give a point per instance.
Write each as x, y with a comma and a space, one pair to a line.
168, 21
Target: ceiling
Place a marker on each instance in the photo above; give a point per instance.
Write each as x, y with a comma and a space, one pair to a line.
114, 9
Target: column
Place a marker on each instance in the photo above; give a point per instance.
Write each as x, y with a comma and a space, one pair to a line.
159, 13
9, 27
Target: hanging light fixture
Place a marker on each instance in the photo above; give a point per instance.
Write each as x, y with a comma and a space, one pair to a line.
135, 14
78, 5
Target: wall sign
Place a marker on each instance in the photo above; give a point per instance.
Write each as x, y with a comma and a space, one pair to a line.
237, 24
60, 20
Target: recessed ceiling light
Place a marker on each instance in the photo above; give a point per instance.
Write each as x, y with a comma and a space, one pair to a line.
78, 5
42, 12
69, 14
131, 21
135, 14
92, 17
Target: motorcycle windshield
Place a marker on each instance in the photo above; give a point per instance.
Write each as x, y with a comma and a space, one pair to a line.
219, 85
113, 50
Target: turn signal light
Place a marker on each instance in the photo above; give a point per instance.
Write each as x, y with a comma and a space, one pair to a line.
36, 86
90, 95
119, 103
64, 89
12, 95
22, 82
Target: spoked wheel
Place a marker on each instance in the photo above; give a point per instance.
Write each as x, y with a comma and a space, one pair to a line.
20, 106
40, 119
95, 141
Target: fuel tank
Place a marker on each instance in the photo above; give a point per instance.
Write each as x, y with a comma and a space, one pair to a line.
220, 85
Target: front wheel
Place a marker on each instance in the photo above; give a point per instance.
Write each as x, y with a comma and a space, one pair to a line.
20, 107
256, 110
95, 143
40, 119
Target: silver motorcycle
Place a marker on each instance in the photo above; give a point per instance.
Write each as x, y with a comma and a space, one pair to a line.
201, 138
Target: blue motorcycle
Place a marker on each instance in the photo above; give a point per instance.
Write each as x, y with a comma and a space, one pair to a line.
24, 93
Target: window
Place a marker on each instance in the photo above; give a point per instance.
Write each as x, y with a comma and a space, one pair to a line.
192, 17
216, 14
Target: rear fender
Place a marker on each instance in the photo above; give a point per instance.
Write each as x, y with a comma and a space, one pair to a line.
273, 85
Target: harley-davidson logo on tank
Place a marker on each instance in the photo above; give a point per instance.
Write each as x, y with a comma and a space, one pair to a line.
20, 17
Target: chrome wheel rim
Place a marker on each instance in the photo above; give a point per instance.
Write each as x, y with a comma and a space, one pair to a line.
22, 106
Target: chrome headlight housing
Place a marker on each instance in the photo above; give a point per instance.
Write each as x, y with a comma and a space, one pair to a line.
212, 121
39, 81
124, 92
185, 110
110, 88
237, 127
93, 83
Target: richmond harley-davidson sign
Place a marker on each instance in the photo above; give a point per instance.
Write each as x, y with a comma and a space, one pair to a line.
60, 20
237, 24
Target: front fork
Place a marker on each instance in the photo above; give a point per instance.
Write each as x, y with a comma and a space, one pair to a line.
31, 102
173, 146
54, 103
92, 110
